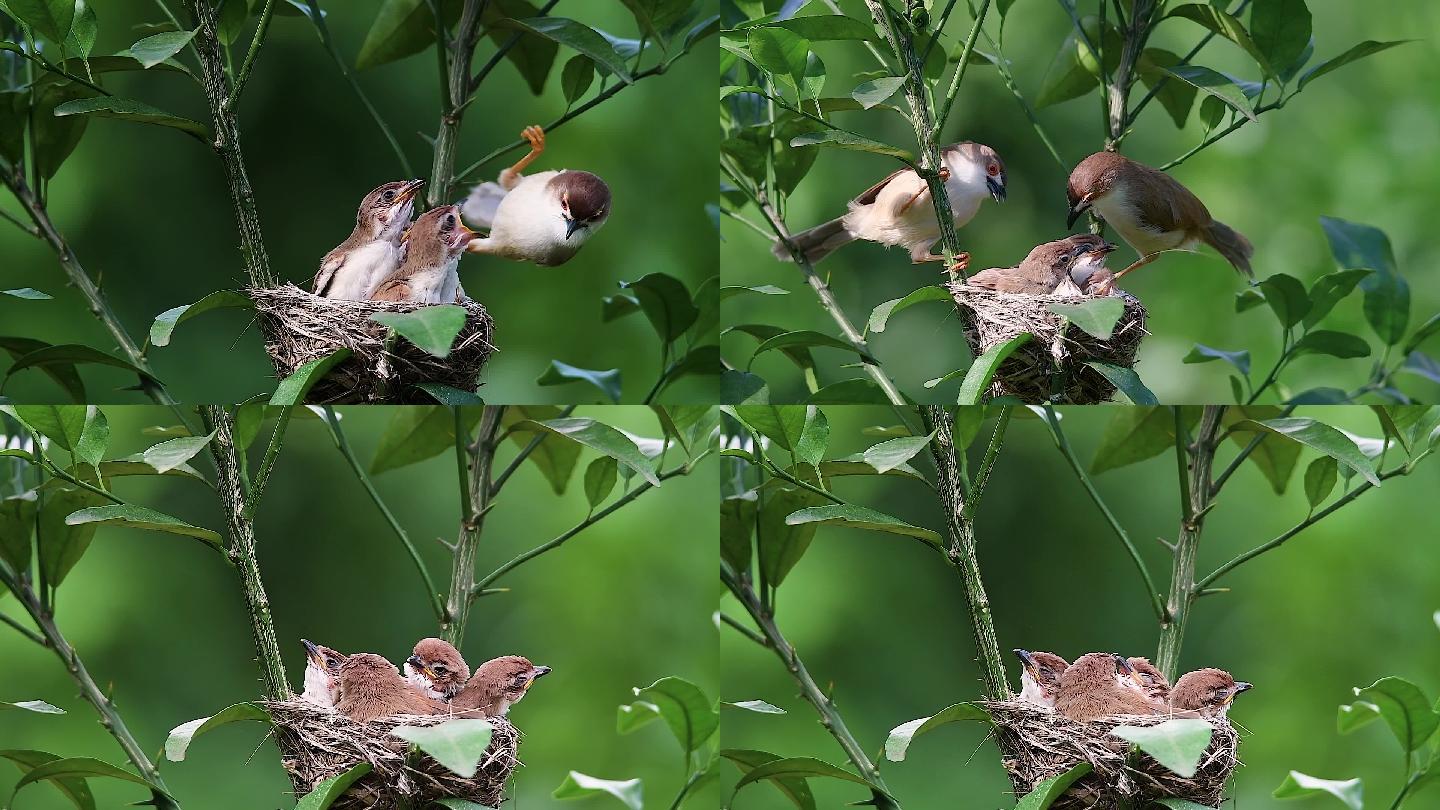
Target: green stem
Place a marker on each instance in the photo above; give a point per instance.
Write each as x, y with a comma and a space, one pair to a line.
960, 69
1216, 138
447, 139
524, 453
987, 462
463, 590
267, 463
260, 31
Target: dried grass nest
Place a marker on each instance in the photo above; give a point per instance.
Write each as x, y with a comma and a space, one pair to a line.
1052, 362
1039, 744
317, 744
300, 327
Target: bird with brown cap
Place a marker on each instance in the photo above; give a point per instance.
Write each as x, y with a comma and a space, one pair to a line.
1095, 686
1206, 693
1040, 676
371, 688
322, 674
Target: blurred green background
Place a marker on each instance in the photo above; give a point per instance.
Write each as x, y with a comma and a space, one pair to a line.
1358, 144
161, 622
881, 621
147, 210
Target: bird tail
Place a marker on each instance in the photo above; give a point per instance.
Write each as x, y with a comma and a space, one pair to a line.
1232, 245
815, 243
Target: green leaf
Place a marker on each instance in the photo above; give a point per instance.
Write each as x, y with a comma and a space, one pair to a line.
827, 27
401, 28
418, 433
781, 53
168, 455
446, 395
1286, 297
888, 455
156, 48
1426, 331
804, 337
977, 379
655, 16
858, 391
1387, 294
128, 109
1328, 291
1047, 792
17, 524
1215, 85
56, 138
874, 92
579, 786
880, 316
1356, 715
576, 78
1281, 30
795, 788
1176, 744
70, 354
691, 715
1204, 354
433, 329
635, 716
782, 424
600, 476
1364, 49
1126, 381
737, 523
901, 736
39, 707
1227, 26
1335, 344
603, 438
1299, 786
1319, 436
165, 322
62, 424
804, 767
1096, 316
1071, 72
140, 517
533, 56
76, 789
757, 706
53, 18
1320, 477
556, 456
731, 291
578, 37
292, 389
666, 303
814, 438
860, 517
847, 140
738, 387
329, 791
559, 373
233, 15
1133, 435
781, 544
1405, 710
182, 735
1275, 455
64, 375
28, 294
1178, 98
64, 543
83, 767
457, 744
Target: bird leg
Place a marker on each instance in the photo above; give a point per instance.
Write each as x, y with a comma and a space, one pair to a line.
921, 255
914, 198
1140, 262
511, 176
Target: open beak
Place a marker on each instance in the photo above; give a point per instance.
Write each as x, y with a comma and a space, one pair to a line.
997, 188
536, 674
1027, 660
1104, 248
312, 653
419, 666
410, 190
1075, 211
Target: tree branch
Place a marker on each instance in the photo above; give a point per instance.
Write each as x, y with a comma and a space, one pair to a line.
462, 572
447, 138
260, 31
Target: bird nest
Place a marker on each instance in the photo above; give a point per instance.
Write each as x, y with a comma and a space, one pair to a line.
300, 327
317, 744
1052, 366
1039, 744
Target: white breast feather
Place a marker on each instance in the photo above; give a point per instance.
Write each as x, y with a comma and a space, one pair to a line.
317, 687
364, 269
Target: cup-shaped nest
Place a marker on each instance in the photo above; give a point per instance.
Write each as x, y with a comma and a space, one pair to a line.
1038, 744
1053, 365
317, 744
300, 327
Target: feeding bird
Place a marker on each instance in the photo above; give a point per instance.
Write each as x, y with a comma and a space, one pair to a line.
1150, 210
544, 218
1063, 267
1040, 677
322, 674
497, 685
1152, 682
1206, 693
371, 688
1092, 688
898, 210
429, 274
353, 270
437, 668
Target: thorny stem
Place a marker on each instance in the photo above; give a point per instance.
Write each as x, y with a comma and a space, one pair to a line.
467, 546
447, 139
830, 718
1119, 87
960, 551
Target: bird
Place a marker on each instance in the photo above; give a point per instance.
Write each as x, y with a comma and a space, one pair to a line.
544, 218
429, 274
1206, 693
1092, 688
354, 269
322, 674
898, 210
497, 685
371, 688
1040, 677
1150, 210
1152, 682
437, 668
1054, 268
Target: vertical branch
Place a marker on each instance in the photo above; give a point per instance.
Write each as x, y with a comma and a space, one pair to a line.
227, 143
1136, 33
961, 550
457, 95
231, 485
462, 572
1197, 500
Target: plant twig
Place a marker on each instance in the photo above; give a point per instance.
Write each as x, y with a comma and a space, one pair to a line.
743, 630
447, 138
1184, 60
260, 31
530, 447
1217, 137
505, 48
463, 590
987, 462
960, 69
267, 462
23, 630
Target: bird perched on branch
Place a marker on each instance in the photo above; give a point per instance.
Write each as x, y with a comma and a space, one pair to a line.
437, 668
1152, 682
322, 674
898, 210
1150, 210
1206, 693
497, 685
544, 218
353, 270
371, 688
1093, 687
1040, 676
1063, 267
429, 274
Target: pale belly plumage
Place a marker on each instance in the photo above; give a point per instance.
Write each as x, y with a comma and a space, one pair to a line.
364, 269
1122, 216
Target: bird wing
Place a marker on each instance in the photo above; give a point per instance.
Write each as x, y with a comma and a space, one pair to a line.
394, 289
870, 194
479, 208
331, 264
1171, 206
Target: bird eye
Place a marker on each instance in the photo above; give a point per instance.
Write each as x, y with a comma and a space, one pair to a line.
449, 223
439, 669
390, 195
994, 170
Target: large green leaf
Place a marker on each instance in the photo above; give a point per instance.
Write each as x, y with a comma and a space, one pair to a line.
165, 322
781, 544
178, 742
655, 16
827, 27
37, 706
578, 37
806, 338
881, 315
168, 455
402, 28
140, 517
1176, 97
666, 303
70, 354
1405, 710
53, 18
78, 767
1176, 744
1334, 344
457, 744
17, 524
327, 792
603, 438
804, 767
1364, 49
1281, 30
782, 424
1229, 27
846, 140
433, 329
579, 786
1133, 435
1355, 716
75, 788
65, 376
1329, 289
902, 735
1299, 786
1387, 294
127, 109
533, 56
607, 382
418, 433
56, 137
1213, 84
1096, 316
1126, 381
1201, 353
600, 477
794, 788
892, 453
691, 715
860, 517
977, 378
555, 456
737, 524
1319, 436
1048, 791
1073, 71
635, 716
62, 424
156, 48
292, 389
61, 543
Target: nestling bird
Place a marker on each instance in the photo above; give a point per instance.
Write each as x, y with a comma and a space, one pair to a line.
371, 688
429, 274
1091, 688
1207, 693
1152, 682
437, 668
497, 685
353, 270
1040, 677
322, 674
544, 218
1150, 210
898, 210
1049, 269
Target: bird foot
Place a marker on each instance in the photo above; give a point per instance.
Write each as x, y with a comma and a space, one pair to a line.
943, 174
535, 134
960, 265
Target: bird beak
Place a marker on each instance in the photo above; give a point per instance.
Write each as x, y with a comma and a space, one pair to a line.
312, 652
1123, 665
536, 674
1075, 211
1027, 659
1104, 248
571, 226
997, 188
1240, 686
409, 191
419, 666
